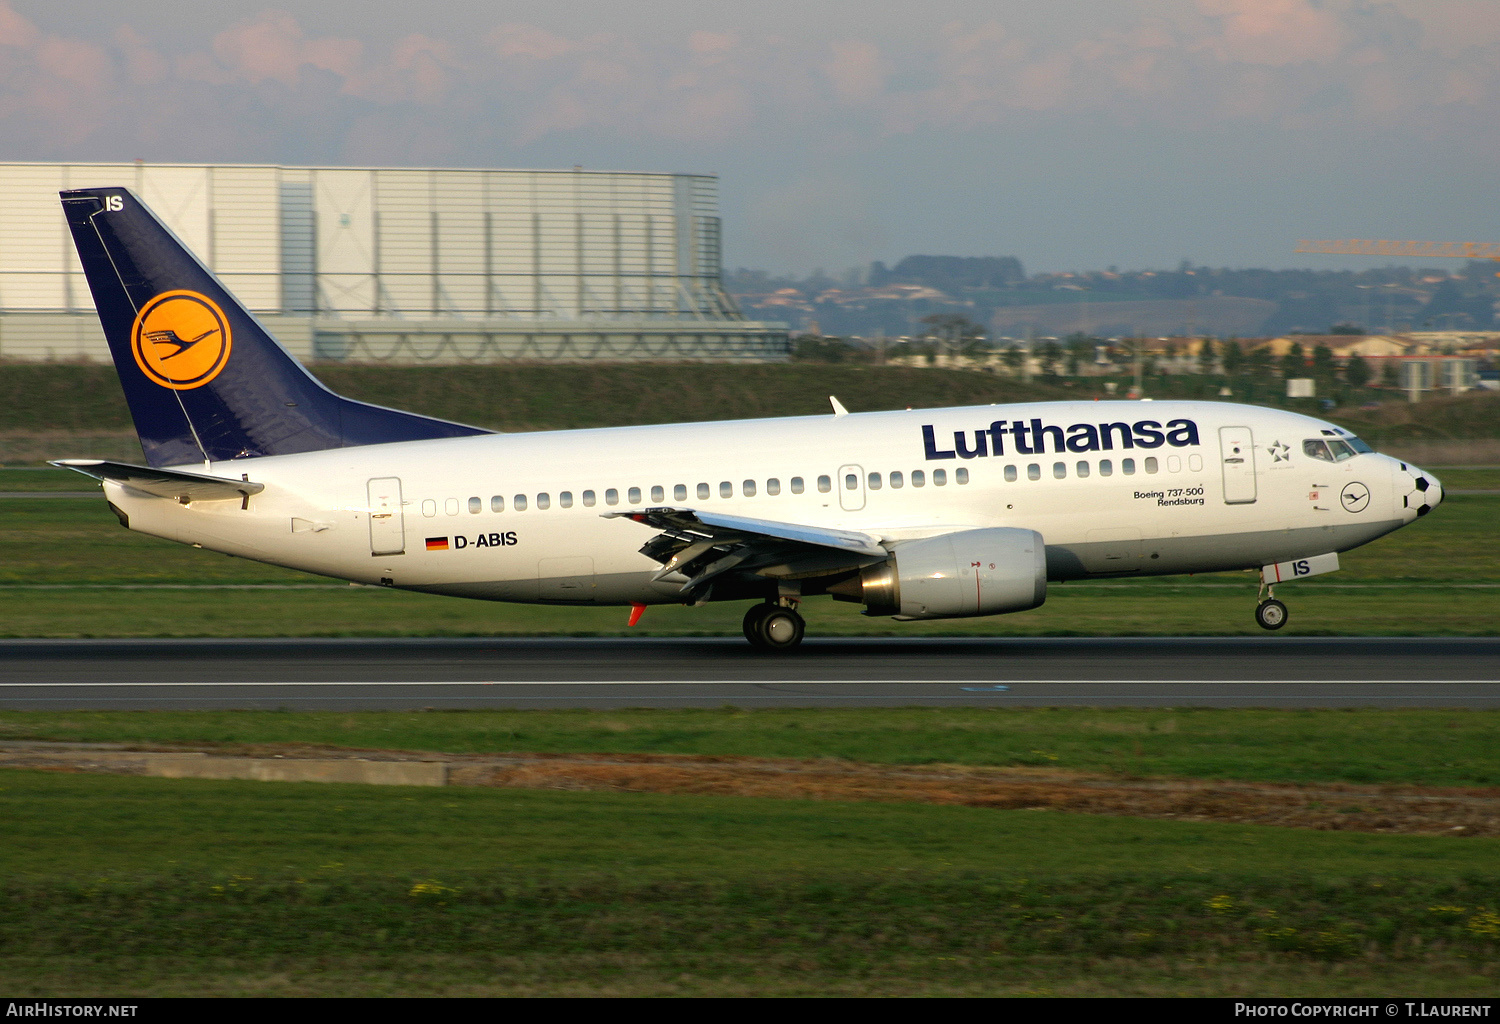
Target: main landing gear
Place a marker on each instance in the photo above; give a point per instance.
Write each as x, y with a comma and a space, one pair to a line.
774, 626
1269, 612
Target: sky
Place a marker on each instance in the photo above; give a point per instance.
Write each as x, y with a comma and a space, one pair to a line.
1073, 134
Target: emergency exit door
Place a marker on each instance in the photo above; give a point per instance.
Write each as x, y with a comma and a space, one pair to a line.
387, 523
1237, 455
851, 487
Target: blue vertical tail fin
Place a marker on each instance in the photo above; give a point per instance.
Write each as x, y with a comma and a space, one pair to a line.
204, 381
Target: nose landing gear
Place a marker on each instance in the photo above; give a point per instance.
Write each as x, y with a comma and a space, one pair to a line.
774, 626
1269, 612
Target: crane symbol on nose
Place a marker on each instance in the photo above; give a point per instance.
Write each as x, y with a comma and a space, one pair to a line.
169, 337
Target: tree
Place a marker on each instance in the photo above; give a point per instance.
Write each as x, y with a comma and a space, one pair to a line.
1080, 351
1323, 367
1294, 363
1233, 357
1389, 377
955, 334
1258, 362
1013, 357
1207, 357
1356, 372
1051, 353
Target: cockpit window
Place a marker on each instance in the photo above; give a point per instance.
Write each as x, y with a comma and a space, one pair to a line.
1331, 450
1315, 448
1358, 445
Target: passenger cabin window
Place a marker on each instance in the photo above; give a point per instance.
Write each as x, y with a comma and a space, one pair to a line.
1174, 464
518, 503
679, 492
747, 488
497, 504
611, 497
796, 485
658, 495
703, 492
1010, 474
1151, 464
773, 486
825, 484
939, 478
429, 508
1033, 472
451, 506
1106, 467
565, 499
543, 501
1059, 470
1082, 469
897, 480
475, 506
1127, 466
726, 489
588, 499
633, 496
961, 475
851, 481
918, 478
874, 482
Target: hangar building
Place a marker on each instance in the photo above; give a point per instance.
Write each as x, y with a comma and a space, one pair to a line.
405, 265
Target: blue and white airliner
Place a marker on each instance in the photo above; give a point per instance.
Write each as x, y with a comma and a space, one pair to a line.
916, 514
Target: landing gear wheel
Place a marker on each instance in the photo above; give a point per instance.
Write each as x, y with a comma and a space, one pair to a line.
773, 627
1271, 614
751, 625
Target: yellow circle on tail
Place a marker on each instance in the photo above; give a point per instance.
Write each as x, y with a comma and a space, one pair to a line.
180, 340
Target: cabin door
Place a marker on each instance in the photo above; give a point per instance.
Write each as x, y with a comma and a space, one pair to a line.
1237, 455
387, 523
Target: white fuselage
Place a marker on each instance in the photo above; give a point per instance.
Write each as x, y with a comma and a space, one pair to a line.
1235, 491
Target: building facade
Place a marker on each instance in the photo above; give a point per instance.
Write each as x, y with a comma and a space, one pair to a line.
405, 265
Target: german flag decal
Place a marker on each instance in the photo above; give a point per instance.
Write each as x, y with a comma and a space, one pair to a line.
437, 543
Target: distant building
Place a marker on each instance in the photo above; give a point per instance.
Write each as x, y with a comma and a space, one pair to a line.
405, 265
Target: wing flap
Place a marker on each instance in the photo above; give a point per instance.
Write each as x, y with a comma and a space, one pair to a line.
704, 546
164, 483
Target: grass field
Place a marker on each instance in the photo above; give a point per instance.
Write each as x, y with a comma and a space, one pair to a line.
156, 887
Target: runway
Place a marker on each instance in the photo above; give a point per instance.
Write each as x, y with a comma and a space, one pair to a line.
667, 672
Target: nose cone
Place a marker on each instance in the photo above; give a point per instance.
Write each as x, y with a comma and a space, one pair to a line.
1423, 491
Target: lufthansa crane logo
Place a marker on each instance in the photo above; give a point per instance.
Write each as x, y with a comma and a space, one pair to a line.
1355, 497
180, 340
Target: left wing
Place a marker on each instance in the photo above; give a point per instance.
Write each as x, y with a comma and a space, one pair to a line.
704, 547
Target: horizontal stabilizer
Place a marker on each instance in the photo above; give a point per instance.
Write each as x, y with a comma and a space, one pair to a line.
164, 483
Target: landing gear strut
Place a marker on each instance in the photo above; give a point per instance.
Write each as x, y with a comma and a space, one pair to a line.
1269, 612
774, 626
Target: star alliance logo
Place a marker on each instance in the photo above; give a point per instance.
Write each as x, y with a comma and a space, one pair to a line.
1280, 452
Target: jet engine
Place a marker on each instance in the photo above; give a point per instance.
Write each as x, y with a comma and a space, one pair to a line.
972, 572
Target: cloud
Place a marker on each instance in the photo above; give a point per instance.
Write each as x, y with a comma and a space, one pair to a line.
1273, 32
856, 70
1178, 64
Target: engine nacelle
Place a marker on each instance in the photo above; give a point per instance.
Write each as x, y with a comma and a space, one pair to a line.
973, 572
